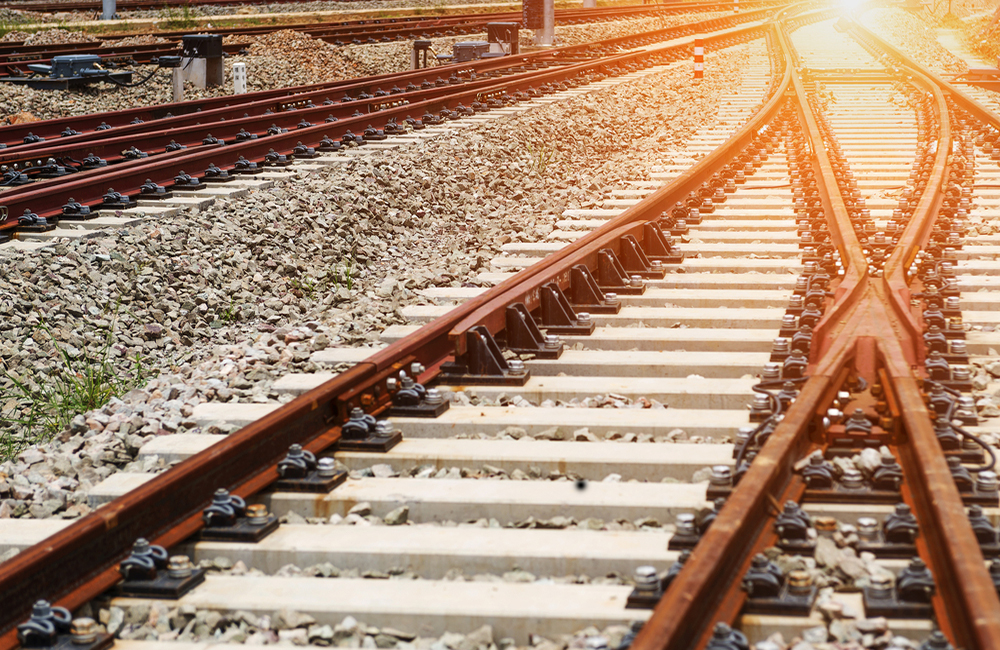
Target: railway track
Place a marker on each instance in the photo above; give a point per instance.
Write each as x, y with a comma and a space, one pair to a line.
14, 56
81, 158
819, 257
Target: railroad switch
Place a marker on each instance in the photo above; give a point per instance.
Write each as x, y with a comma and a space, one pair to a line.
363, 433
230, 519
411, 399
149, 573
909, 598
770, 591
54, 628
726, 638
301, 472
483, 364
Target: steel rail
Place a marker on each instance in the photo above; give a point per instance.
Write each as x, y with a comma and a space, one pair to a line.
967, 593
46, 197
681, 620
78, 563
867, 329
960, 97
13, 135
127, 5
375, 26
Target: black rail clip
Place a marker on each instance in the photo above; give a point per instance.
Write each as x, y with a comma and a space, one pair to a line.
150, 573
300, 471
769, 591
910, 598
411, 399
230, 519
362, 432
54, 628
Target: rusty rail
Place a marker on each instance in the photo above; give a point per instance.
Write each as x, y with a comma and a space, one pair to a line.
46, 198
79, 563
869, 327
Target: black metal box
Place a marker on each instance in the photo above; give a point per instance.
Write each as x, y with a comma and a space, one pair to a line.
503, 33
469, 50
202, 46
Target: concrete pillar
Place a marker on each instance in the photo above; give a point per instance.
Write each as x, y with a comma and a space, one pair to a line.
239, 78
214, 72
178, 85
109, 9
203, 73
193, 70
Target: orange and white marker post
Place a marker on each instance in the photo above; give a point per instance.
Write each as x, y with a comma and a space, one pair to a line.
699, 58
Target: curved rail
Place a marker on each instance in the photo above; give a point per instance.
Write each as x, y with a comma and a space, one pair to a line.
80, 562
869, 330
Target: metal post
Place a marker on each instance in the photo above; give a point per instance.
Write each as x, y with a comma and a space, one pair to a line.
547, 34
239, 78
699, 58
109, 9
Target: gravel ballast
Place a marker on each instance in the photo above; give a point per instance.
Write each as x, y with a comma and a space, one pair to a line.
220, 303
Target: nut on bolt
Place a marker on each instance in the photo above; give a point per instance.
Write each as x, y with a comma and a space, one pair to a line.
326, 467
179, 566
83, 631
646, 578
257, 514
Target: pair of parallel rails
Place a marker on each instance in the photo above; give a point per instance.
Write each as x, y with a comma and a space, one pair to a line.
871, 332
